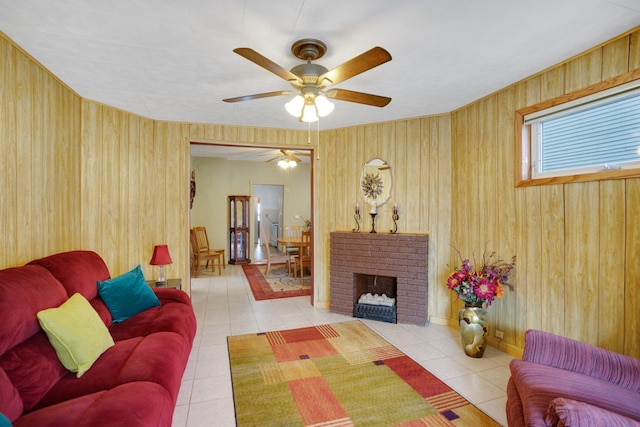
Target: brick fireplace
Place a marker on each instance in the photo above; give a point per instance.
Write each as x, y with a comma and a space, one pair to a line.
403, 256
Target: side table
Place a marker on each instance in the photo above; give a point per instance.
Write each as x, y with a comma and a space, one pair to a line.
171, 283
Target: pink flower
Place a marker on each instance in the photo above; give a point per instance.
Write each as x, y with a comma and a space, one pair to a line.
484, 290
456, 278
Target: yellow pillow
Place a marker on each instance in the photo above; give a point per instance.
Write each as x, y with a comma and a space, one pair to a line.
76, 332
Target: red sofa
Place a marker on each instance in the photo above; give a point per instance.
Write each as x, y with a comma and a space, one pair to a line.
133, 383
565, 382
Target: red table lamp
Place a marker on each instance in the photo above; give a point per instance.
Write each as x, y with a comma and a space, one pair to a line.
161, 257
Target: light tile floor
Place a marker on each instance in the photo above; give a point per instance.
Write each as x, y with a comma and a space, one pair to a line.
225, 306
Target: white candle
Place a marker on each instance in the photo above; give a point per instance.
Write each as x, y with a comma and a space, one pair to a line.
357, 209
373, 207
395, 208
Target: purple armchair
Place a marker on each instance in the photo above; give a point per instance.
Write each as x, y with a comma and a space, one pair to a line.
564, 382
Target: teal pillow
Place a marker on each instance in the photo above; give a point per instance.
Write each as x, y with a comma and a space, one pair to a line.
127, 295
4, 421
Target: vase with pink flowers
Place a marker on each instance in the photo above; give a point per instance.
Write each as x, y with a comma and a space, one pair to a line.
478, 288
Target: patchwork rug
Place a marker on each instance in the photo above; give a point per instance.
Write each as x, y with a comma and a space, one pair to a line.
342, 374
279, 284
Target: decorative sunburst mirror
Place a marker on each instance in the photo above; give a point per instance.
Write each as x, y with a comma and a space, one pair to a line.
375, 182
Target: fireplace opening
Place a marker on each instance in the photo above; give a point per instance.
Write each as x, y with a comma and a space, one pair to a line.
375, 297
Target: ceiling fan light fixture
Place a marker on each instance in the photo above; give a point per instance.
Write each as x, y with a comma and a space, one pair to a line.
324, 106
286, 163
309, 105
294, 107
309, 112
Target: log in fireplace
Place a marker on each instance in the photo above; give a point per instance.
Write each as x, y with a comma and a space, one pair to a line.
399, 256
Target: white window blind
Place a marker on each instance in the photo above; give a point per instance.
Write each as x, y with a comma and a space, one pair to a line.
599, 133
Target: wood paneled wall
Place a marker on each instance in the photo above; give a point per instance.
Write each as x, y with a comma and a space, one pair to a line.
577, 244
40, 176
134, 190
419, 153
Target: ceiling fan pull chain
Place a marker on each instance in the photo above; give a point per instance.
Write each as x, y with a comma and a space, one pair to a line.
318, 142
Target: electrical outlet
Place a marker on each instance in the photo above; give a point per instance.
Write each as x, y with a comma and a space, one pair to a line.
499, 334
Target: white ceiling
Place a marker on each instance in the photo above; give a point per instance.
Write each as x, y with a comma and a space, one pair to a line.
173, 60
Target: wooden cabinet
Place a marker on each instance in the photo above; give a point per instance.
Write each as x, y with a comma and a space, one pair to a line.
239, 230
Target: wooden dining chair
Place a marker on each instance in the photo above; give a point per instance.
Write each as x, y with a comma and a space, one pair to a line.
197, 256
202, 252
271, 258
292, 232
303, 259
203, 243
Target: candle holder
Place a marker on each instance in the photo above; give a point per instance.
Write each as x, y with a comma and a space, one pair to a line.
357, 218
395, 223
373, 223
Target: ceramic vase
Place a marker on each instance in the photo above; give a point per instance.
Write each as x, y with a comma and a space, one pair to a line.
472, 320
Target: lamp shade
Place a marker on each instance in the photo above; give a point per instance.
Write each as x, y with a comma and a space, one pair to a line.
160, 255
324, 106
309, 113
294, 107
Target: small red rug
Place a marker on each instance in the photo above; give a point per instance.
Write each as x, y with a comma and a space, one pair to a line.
261, 288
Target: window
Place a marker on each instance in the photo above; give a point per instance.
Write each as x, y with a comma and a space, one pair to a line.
591, 135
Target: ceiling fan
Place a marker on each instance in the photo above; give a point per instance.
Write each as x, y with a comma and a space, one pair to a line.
311, 80
288, 158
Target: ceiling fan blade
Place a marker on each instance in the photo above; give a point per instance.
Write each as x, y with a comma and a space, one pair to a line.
273, 158
361, 63
259, 95
295, 158
267, 64
359, 97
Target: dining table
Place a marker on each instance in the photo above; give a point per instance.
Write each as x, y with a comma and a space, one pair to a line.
292, 242
295, 241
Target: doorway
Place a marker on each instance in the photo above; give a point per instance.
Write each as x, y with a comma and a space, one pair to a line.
268, 218
224, 169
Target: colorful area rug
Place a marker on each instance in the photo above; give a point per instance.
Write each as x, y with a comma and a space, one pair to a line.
342, 374
279, 284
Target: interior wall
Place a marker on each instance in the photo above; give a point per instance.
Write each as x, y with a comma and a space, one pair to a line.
578, 244
210, 204
419, 153
40, 176
135, 186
